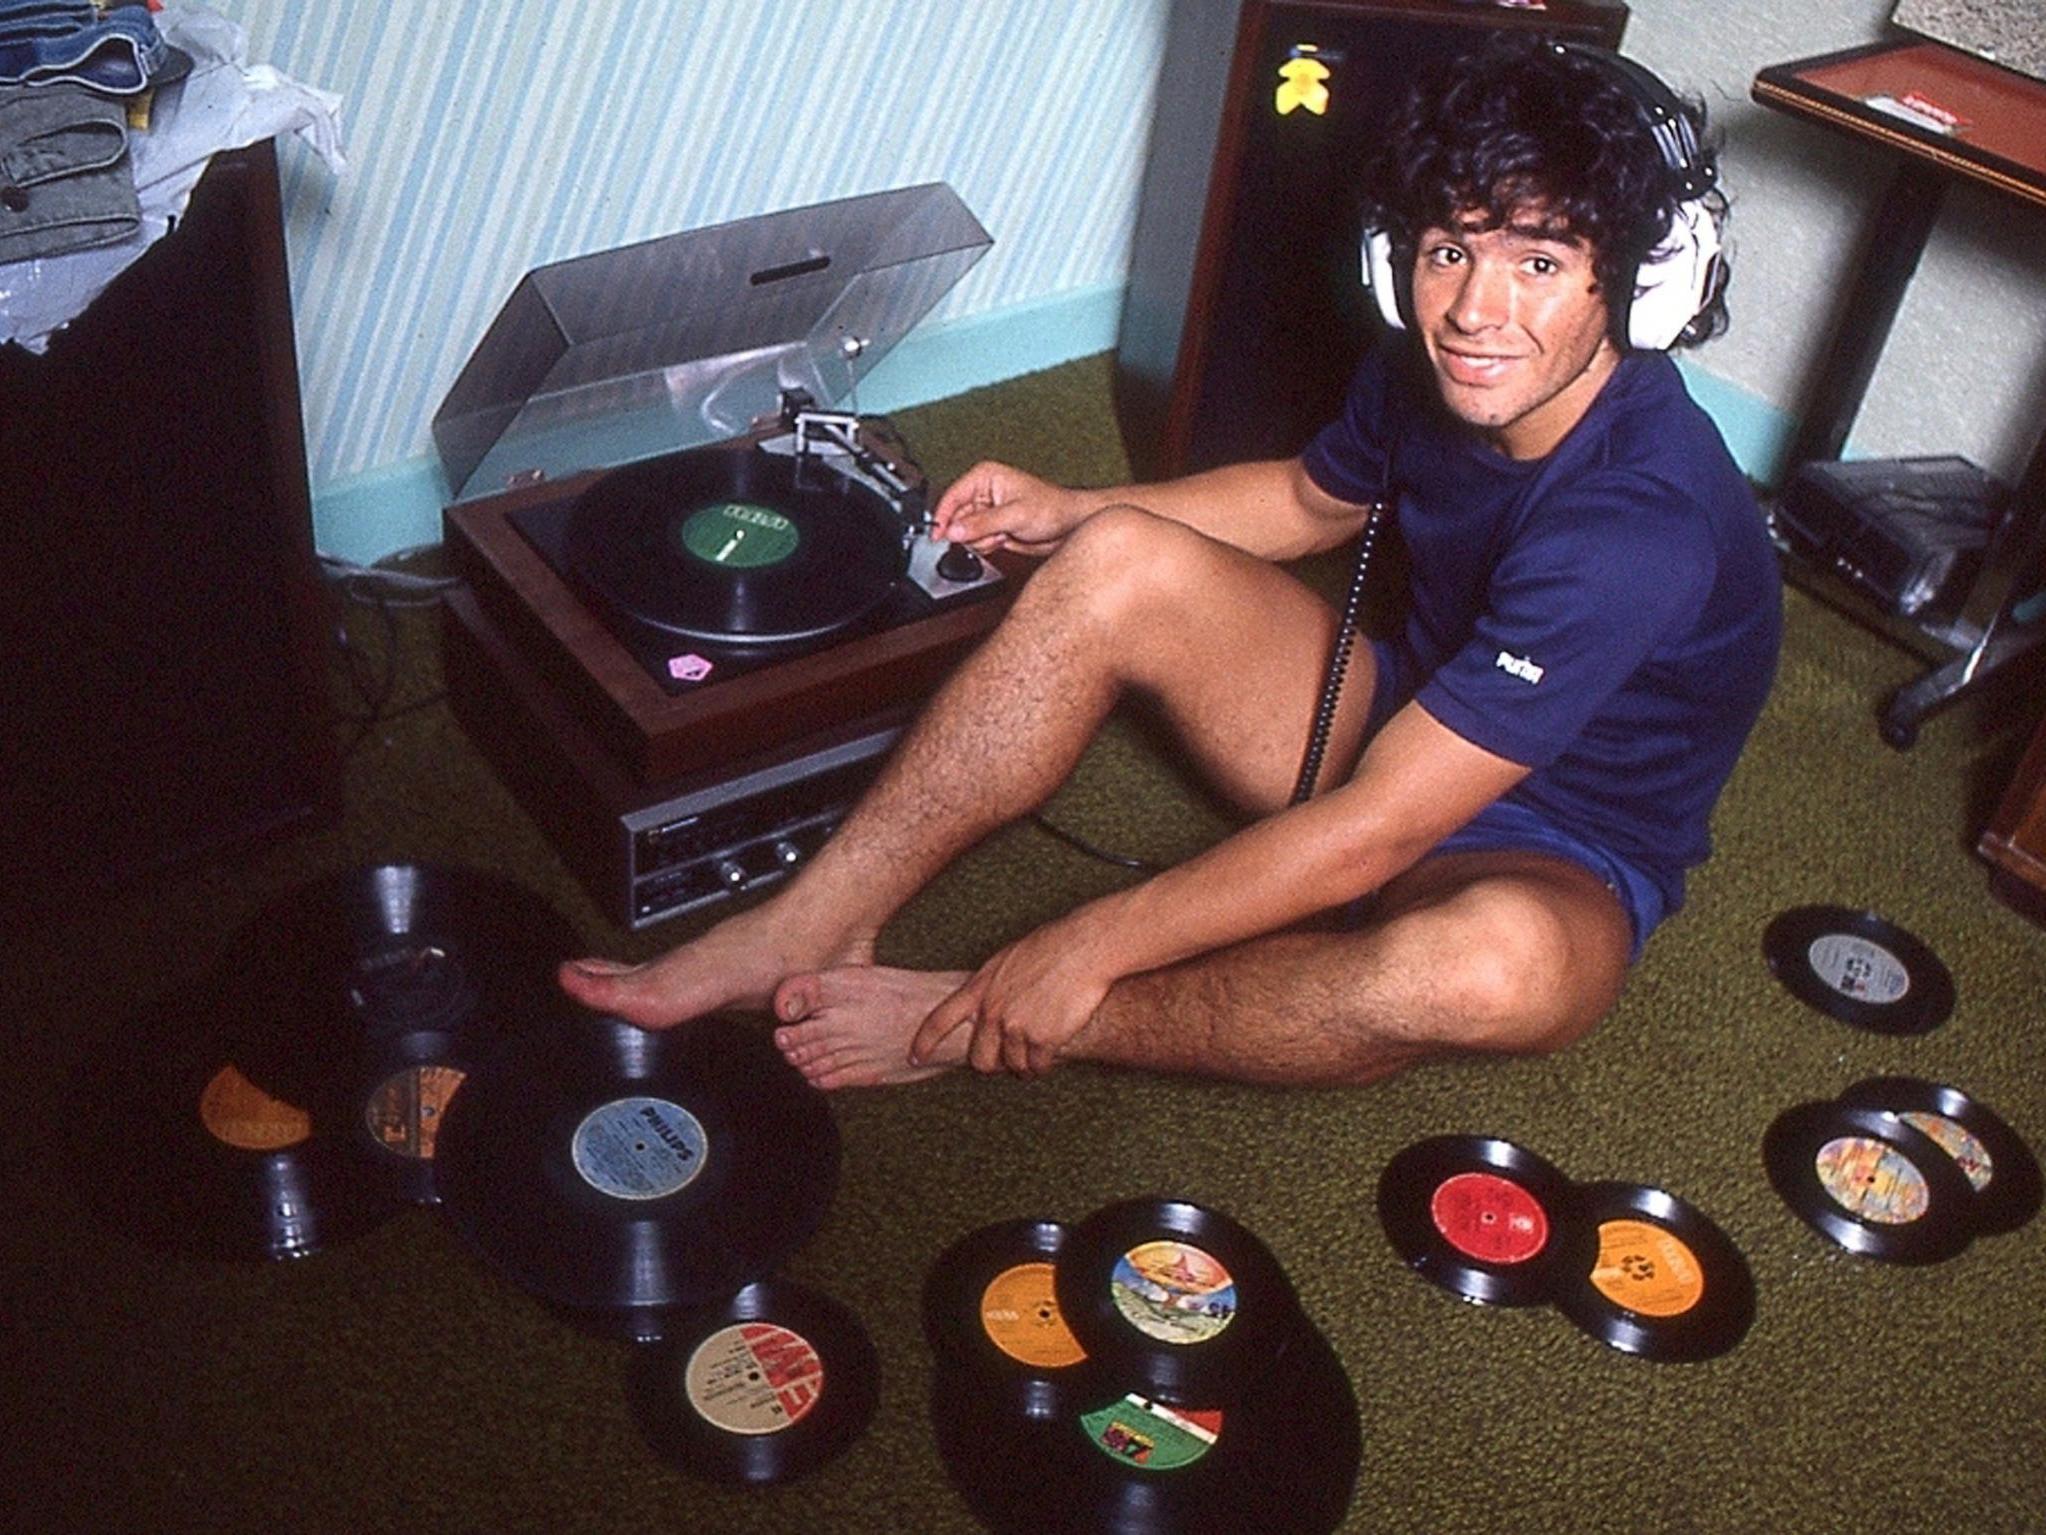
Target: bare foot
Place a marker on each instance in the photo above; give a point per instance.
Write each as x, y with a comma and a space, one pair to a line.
851, 1026
738, 963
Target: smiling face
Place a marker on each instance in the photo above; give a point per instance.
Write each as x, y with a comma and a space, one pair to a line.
1515, 328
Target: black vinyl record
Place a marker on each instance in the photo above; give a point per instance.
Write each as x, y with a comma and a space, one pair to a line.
1865, 1179
756, 1389
1998, 1165
990, 1309
191, 1155
1174, 1300
396, 1102
1667, 1283
322, 980
736, 547
603, 1166
1484, 1218
1859, 968
1282, 1460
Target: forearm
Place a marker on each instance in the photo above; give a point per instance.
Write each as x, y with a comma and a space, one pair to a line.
1268, 508
1266, 878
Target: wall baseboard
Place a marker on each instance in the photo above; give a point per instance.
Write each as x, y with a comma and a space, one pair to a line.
383, 511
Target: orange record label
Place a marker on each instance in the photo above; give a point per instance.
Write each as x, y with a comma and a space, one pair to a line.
403, 1114
754, 1378
1646, 1269
1022, 1318
240, 1114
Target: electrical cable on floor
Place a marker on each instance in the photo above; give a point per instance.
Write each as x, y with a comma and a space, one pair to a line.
386, 591
1082, 845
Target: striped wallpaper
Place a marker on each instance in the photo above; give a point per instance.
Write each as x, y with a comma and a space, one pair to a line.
488, 138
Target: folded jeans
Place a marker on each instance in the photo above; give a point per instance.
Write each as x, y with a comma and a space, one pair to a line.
120, 52
65, 181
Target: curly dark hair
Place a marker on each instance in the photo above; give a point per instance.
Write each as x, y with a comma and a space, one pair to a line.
1521, 121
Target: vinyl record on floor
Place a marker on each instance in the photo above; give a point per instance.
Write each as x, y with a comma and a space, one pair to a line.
990, 1308
736, 547
1282, 1460
1867, 1180
600, 1165
191, 1155
1484, 1218
1667, 1282
399, 1097
1174, 1300
328, 973
1859, 968
1999, 1166
756, 1389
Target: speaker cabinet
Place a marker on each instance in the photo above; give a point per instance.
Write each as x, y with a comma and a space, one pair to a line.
1245, 314
160, 612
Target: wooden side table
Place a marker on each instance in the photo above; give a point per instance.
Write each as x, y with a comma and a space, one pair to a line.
1941, 114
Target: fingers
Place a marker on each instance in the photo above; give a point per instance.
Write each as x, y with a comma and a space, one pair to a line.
955, 1012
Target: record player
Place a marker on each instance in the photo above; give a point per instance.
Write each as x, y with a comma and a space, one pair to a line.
702, 595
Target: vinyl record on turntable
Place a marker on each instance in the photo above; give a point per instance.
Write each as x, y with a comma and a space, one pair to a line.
736, 547
602, 1166
189, 1154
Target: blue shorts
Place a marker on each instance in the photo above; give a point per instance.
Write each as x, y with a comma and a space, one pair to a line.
1506, 824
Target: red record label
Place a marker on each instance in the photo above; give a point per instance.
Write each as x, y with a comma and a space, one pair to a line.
1490, 1218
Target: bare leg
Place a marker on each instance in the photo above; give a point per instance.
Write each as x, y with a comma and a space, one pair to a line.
1107, 614
1492, 952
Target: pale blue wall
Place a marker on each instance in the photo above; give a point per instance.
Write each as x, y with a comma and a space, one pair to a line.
487, 138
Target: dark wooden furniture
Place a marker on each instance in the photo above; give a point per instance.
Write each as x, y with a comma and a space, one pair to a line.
161, 629
1941, 115
2015, 840
1245, 312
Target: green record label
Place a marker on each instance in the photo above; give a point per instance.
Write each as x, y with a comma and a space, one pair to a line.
1151, 1436
738, 535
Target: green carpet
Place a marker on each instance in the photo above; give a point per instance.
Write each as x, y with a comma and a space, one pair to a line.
396, 1383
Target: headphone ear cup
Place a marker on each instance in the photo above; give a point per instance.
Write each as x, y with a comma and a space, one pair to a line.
1379, 275
1676, 280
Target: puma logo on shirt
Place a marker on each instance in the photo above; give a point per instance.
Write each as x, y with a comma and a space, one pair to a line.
1519, 666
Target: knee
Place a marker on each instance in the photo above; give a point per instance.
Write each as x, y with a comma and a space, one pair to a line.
1515, 992
1121, 559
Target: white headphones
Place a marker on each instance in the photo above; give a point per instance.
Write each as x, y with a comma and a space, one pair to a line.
1681, 272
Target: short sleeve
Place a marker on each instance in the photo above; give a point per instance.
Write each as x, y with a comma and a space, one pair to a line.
1348, 456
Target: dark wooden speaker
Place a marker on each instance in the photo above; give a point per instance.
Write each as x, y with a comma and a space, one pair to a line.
160, 631
1245, 314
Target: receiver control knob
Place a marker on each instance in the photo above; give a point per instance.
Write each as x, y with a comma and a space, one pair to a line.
731, 873
787, 854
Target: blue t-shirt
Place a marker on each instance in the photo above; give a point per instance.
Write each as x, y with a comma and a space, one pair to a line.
1607, 616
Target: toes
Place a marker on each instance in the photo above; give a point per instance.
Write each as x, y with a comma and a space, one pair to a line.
591, 981
798, 997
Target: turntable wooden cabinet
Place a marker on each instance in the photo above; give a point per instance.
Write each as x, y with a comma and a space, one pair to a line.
700, 605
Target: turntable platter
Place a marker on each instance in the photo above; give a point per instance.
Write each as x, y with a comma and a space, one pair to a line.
736, 547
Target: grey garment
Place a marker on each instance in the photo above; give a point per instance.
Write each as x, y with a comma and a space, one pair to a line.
65, 181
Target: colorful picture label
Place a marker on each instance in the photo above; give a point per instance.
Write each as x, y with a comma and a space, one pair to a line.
1871, 1180
1173, 1292
1151, 1436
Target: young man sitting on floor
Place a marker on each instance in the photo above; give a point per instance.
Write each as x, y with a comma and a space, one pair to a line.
1514, 784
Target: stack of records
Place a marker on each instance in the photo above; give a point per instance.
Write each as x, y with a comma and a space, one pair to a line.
1147, 1369
294, 1097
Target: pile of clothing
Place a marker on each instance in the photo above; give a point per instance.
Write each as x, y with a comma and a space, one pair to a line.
74, 76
